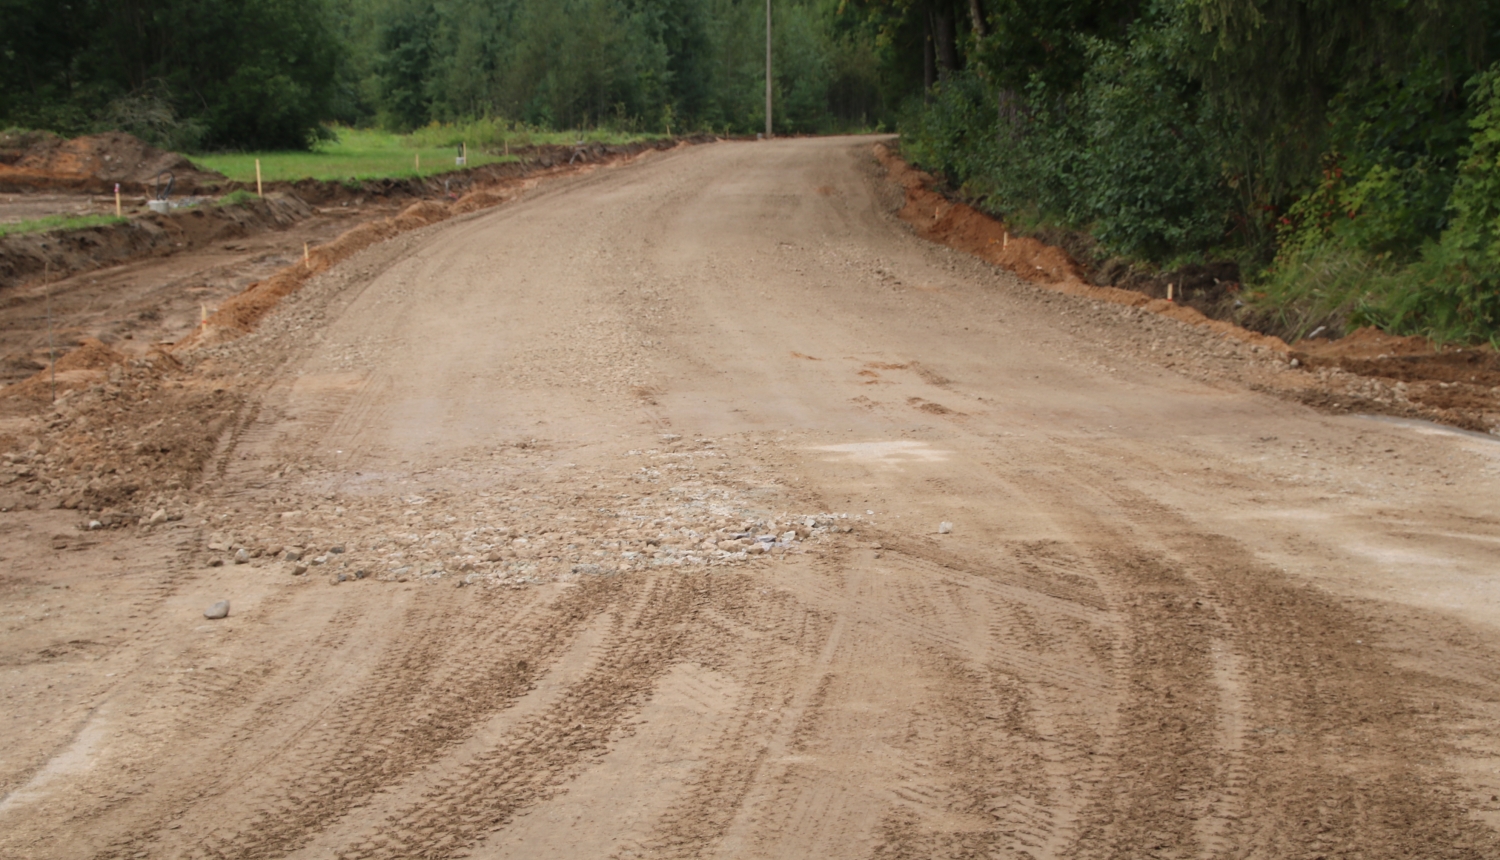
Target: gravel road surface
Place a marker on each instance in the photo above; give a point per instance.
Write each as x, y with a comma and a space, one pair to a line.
610, 523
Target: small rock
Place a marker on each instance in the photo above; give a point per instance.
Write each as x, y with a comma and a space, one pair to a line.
217, 611
322, 559
336, 549
360, 574
1296, 362
299, 569
292, 555
945, 528
159, 517
756, 548
95, 525
216, 562
242, 556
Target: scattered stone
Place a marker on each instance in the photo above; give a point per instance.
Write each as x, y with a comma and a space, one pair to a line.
159, 517
216, 562
945, 528
322, 559
360, 574
242, 556
217, 611
299, 569
336, 549
292, 555
95, 525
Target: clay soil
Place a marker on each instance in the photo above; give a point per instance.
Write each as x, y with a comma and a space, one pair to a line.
604, 518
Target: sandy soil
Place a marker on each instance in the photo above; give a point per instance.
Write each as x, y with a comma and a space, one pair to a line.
606, 523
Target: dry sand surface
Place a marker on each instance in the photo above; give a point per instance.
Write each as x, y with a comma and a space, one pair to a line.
608, 523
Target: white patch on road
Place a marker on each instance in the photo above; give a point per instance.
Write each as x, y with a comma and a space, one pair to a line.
887, 452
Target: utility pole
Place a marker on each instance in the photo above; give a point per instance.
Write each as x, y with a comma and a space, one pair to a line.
768, 69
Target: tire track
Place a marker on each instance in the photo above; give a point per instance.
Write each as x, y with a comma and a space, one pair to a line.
543, 752
411, 706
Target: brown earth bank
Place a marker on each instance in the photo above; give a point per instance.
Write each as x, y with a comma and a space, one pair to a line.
1367, 371
698, 508
39, 161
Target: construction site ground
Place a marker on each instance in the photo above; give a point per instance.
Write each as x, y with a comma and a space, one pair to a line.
702, 507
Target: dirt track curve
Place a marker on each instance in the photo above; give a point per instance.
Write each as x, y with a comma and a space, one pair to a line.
635, 486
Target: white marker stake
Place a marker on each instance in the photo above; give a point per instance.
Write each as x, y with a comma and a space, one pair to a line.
306, 257
1169, 291
258, 192
51, 341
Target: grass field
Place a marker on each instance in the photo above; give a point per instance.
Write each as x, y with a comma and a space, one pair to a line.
58, 222
357, 154
372, 154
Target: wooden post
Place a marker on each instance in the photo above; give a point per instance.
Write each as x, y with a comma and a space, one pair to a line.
768, 69
306, 257
419, 162
118, 212
1169, 291
51, 343
258, 191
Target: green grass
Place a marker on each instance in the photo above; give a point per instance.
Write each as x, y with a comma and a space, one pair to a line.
493, 135
236, 197
357, 154
58, 222
372, 154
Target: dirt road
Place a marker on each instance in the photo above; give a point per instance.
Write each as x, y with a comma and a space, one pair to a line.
635, 488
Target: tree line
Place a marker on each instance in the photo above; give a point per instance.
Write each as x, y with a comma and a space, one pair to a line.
252, 74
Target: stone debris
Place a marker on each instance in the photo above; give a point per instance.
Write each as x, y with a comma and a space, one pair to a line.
217, 611
945, 528
242, 556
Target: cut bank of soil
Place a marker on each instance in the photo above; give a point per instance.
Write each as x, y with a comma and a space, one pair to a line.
95, 164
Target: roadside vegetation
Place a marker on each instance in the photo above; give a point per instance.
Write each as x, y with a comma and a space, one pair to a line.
57, 222
1343, 153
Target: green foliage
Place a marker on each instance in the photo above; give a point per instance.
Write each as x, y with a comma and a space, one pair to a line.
1337, 265
1148, 181
58, 223
237, 197
213, 73
1128, 154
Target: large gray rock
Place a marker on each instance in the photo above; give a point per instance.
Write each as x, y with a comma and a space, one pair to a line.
217, 611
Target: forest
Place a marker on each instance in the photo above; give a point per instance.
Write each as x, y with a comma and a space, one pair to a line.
1343, 154
233, 74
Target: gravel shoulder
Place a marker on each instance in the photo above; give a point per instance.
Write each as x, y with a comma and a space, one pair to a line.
606, 523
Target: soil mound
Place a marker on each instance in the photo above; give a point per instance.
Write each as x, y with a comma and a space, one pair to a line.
93, 163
